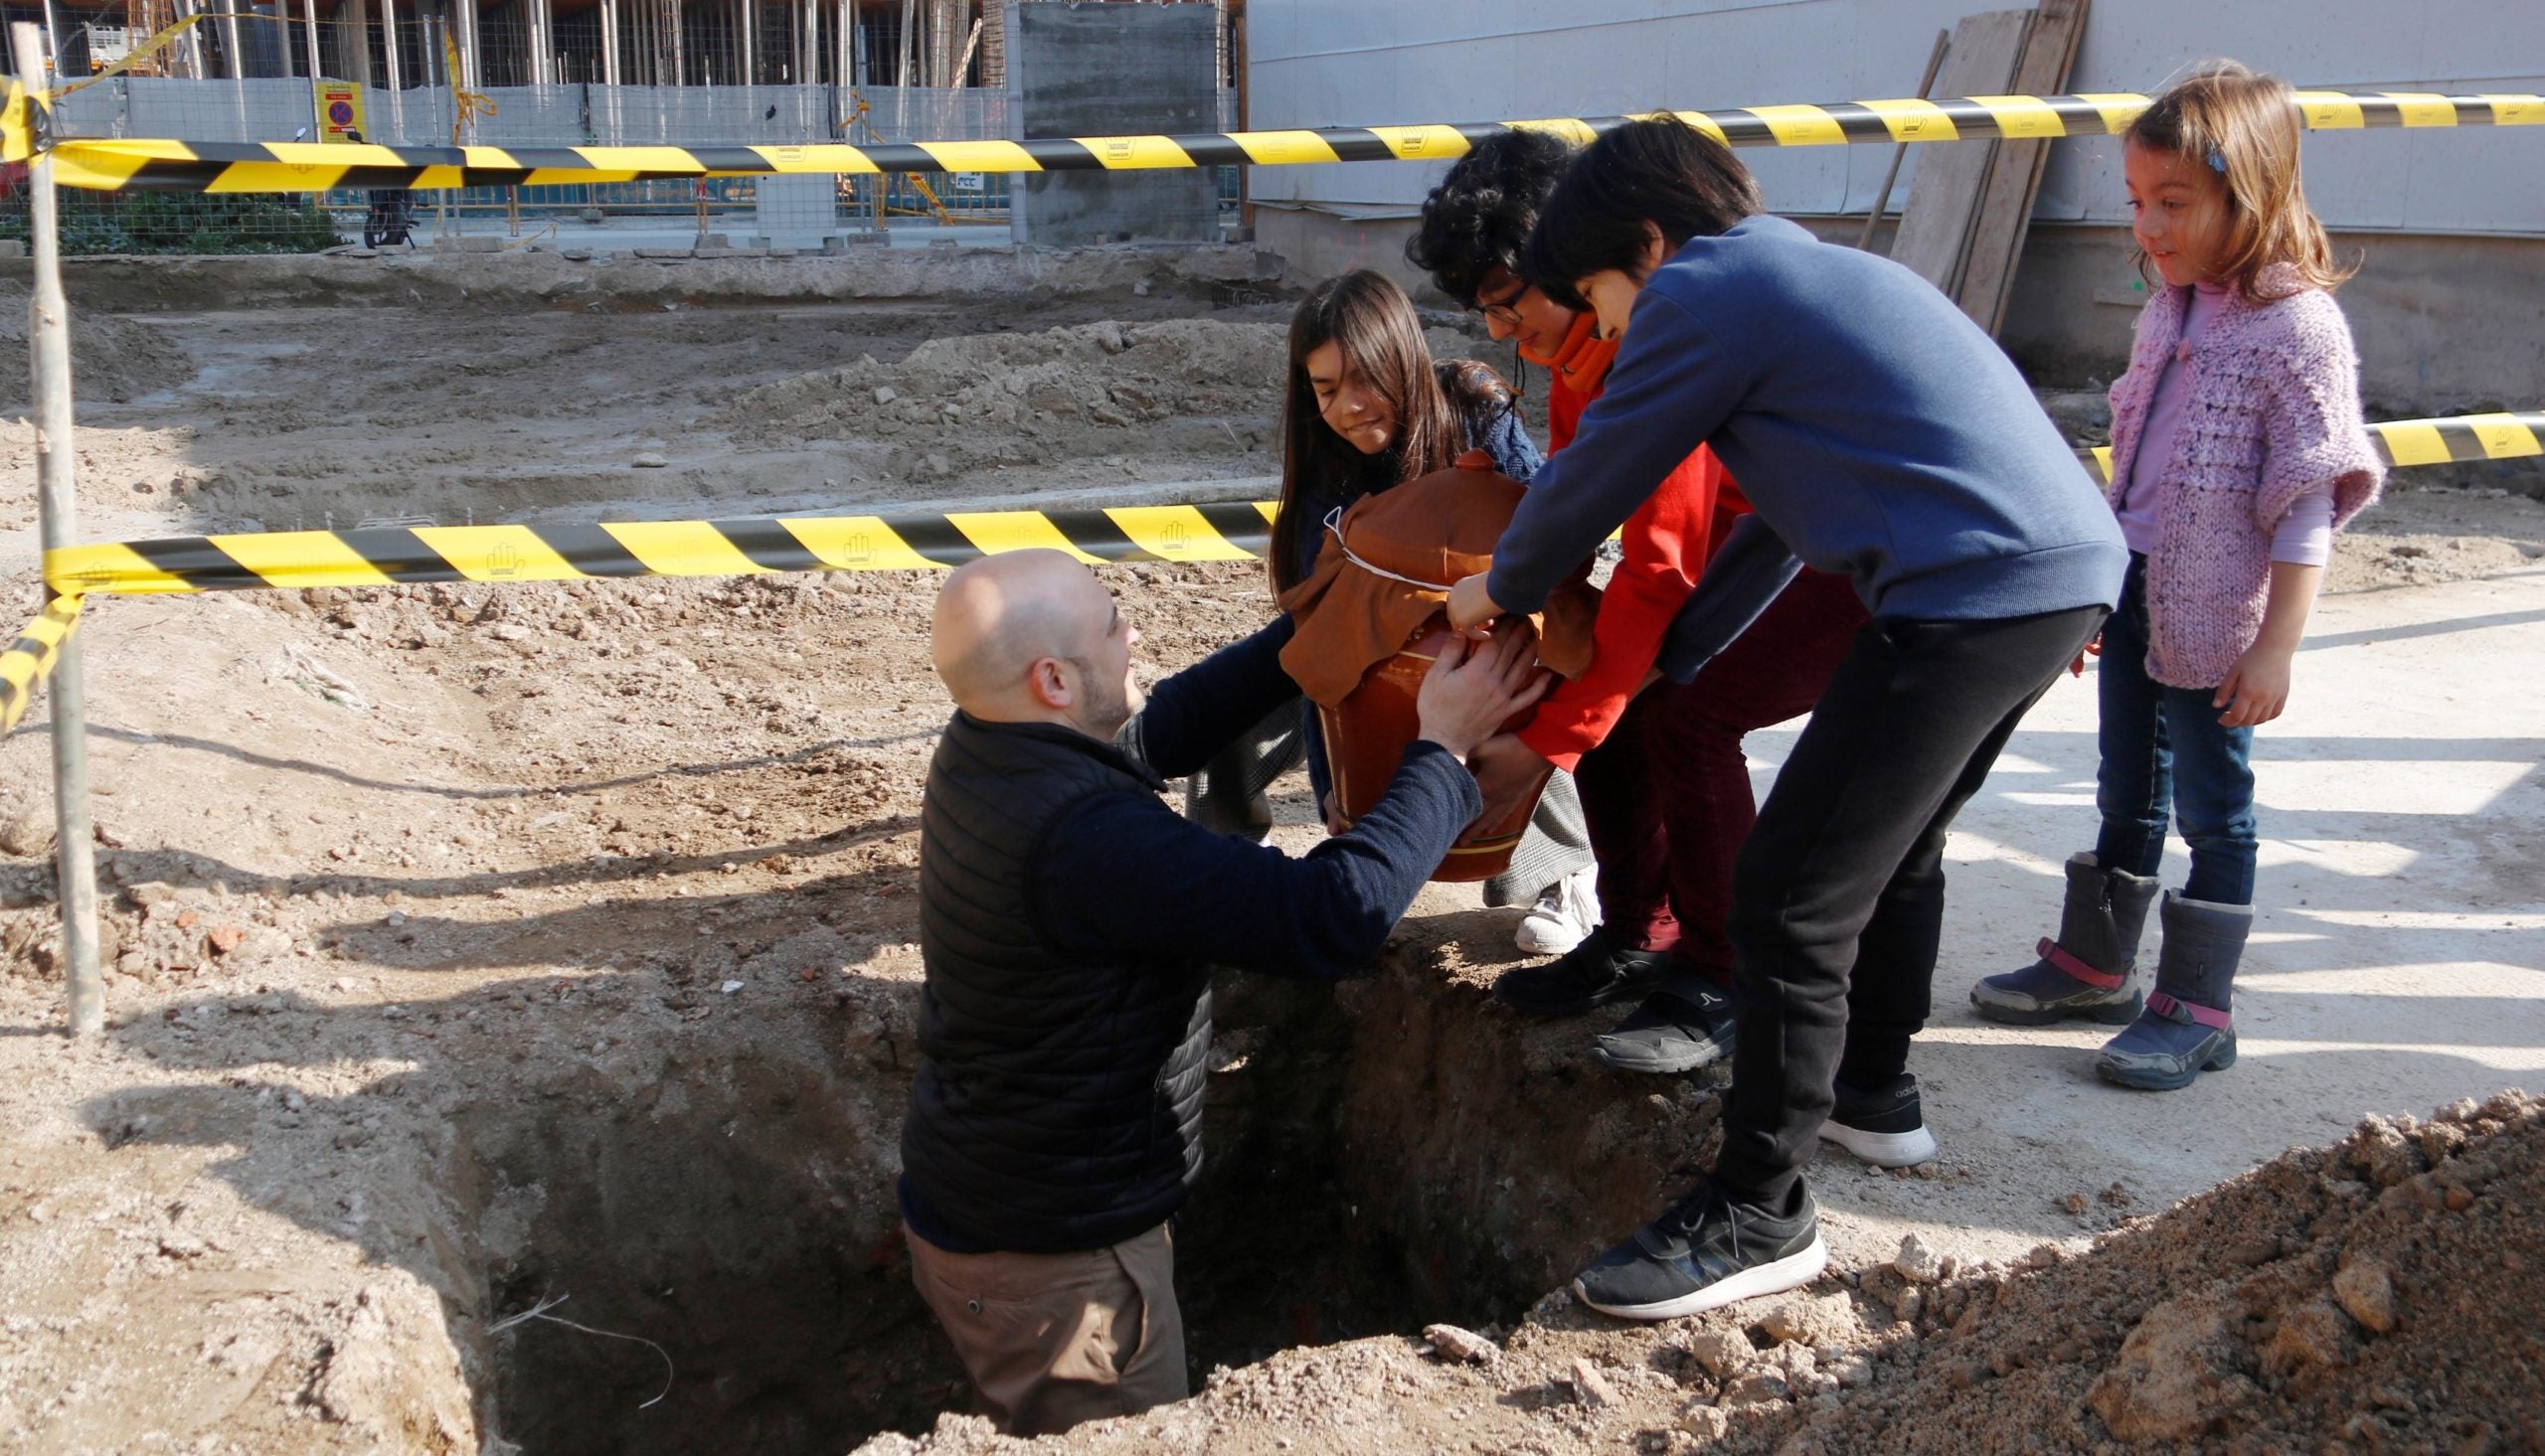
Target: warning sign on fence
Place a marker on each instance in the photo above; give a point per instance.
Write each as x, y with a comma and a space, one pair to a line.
340, 111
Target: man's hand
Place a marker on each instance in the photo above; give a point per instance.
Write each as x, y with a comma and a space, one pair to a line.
1469, 693
1507, 772
1469, 608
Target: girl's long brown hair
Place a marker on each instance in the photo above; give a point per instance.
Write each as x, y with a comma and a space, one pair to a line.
2241, 128
1374, 324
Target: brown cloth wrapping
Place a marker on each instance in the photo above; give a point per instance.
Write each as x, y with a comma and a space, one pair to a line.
1370, 625
1435, 529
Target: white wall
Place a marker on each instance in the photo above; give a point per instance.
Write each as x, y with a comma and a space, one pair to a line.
1356, 63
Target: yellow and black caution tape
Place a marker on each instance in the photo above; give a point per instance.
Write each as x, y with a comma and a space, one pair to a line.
181, 166
18, 124
2402, 442
166, 37
386, 556
24, 663
1220, 532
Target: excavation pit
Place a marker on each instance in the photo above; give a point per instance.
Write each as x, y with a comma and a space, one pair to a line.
1365, 1176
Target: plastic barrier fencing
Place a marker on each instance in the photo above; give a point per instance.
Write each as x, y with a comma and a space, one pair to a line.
24, 663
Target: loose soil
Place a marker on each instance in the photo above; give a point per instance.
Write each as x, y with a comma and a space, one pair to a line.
2377, 1295
473, 949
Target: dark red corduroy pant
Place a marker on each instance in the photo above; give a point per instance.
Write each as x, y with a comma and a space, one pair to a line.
1668, 795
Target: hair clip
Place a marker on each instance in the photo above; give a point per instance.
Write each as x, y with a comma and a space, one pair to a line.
2217, 162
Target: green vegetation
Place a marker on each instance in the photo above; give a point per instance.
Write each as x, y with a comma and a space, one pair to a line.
184, 223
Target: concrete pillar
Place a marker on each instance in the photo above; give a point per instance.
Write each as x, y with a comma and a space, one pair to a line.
1093, 70
352, 39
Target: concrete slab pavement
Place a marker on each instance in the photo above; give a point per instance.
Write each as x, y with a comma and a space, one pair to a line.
2399, 955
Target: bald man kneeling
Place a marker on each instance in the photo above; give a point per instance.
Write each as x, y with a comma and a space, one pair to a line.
1069, 921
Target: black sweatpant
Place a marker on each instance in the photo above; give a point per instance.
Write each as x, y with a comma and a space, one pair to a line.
1841, 882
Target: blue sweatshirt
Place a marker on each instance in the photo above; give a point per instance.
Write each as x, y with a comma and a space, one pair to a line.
1874, 428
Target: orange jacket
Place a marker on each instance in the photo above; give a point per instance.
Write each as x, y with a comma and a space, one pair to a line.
1667, 542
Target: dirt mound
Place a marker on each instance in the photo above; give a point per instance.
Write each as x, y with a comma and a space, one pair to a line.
1192, 388
110, 357
1203, 394
2382, 1292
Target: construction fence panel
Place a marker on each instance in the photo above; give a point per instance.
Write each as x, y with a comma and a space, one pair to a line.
191, 94
281, 108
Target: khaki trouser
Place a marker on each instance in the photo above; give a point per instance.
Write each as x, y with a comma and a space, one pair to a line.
1053, 1339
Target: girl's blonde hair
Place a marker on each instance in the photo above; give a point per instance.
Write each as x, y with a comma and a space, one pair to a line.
2242, 127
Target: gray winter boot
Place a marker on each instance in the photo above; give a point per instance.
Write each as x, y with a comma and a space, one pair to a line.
2185, 1030
2087, 971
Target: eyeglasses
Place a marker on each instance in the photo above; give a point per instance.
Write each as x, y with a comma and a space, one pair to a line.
1506, 312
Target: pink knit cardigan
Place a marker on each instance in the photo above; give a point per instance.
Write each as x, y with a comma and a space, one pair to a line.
2270, 410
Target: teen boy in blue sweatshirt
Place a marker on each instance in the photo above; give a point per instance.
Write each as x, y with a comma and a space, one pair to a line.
1879, 433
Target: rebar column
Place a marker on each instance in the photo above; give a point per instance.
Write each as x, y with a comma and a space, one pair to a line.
49, 352
471, 69
843, 58
543, 23
388, 45
230, 44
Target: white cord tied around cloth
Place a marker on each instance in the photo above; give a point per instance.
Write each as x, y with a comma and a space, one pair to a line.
1333, 517
540, 1311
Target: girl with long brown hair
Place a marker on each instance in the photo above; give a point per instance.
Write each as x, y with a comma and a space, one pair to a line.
1365, 409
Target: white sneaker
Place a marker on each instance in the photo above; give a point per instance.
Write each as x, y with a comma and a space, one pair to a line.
1564, 915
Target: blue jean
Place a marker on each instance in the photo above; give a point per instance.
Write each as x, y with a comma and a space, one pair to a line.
2162, 748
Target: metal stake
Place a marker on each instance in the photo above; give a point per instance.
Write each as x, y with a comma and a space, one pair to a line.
437, 64
317, 112
49, 350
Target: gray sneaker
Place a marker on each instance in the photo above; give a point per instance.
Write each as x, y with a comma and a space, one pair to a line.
1680, 1028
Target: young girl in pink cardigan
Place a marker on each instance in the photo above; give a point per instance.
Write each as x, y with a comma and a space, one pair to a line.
2237, 451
